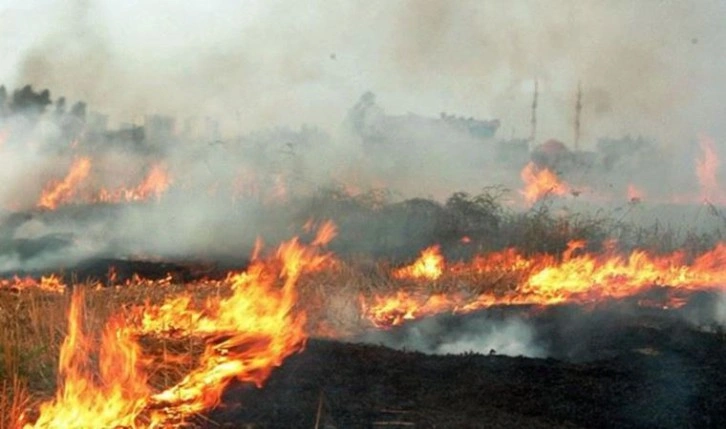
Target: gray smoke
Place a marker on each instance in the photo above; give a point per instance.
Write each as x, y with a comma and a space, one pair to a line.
510, 336
646, 67
282, 79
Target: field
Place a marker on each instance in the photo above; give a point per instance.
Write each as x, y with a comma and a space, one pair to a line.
347, 283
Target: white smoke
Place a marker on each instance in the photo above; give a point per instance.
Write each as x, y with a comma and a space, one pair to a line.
720, 316
651, 68
510, 336
256, 65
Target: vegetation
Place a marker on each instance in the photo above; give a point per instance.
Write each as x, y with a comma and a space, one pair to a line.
374, 234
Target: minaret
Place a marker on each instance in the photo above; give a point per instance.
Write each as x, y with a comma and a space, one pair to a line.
533, 120
578, 112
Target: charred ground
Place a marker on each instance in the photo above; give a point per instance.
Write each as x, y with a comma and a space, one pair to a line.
645, 370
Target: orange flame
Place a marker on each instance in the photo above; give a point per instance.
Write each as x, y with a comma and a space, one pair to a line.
50, 283
113, 398
57, 193
635, 195
540, 182
246, 335
156, 182
543, 280
326, 233
430, 265
707, 169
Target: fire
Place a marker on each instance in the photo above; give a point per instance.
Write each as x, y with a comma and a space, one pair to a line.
430, 265
540, 182
635, 195
156, 182
326, 233
112, 396
577, 277
57, 193
50, 283
394, 310
707, 169
245, 336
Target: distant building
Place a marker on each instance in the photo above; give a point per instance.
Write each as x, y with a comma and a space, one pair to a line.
376, 128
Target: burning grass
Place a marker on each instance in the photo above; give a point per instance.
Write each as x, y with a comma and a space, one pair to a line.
189, 344
177, 345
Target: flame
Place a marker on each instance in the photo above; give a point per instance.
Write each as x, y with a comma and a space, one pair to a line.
245, 335
115, 397
578, 277
57, 193
635, 195
50, 283
430, 265
326, 233
156, 182
540, 182
707, 169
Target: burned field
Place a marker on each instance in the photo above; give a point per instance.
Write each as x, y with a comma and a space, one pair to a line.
654, 376
312, 332
151, 278
381, 214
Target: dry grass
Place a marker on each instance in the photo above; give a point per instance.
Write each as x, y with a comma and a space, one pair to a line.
33, 323
32, 329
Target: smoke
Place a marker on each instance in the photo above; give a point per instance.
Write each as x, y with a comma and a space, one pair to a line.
650, 67
283, 80
485, 334
721, 310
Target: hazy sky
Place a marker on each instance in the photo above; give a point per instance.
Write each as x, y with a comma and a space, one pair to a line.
653, 67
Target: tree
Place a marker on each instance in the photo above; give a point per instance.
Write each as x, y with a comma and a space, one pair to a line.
3, 99
79, 110
27, 101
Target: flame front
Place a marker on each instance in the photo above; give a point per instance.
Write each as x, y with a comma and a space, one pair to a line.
545, 280
51, 283
111, 396
430, 265
57, 193
246, 332
707, 169
245, 336
156, 182
540, 182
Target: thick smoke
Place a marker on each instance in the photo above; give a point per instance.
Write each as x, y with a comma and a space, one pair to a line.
646, 67
279, 91
721, 310
484, 334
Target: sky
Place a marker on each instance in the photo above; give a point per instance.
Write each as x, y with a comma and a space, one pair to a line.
649, 67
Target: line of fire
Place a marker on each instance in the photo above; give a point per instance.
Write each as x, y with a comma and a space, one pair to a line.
440, 272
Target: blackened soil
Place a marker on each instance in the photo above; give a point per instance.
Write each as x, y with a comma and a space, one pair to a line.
656, 381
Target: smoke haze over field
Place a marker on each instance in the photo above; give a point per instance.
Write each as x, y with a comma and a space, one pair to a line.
289, 84
650, 67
